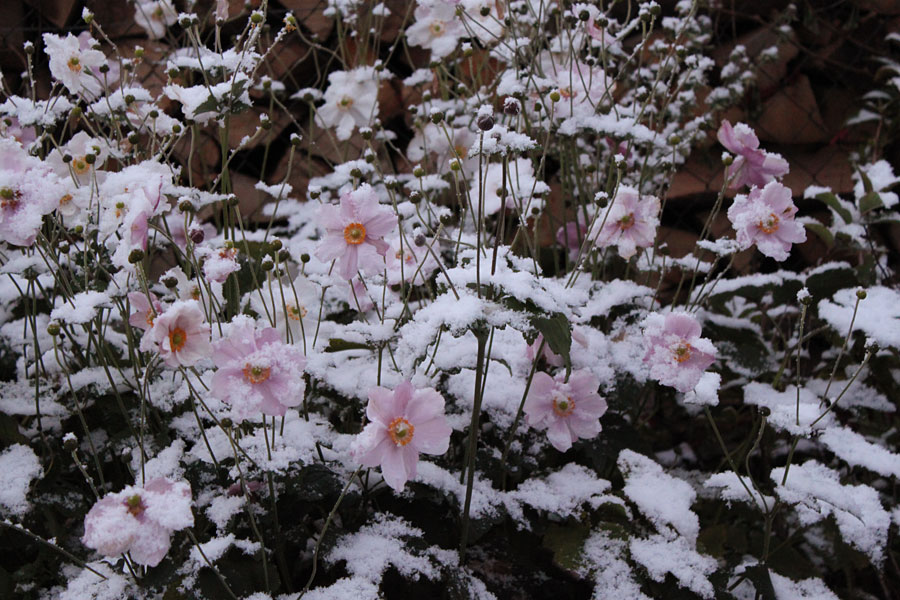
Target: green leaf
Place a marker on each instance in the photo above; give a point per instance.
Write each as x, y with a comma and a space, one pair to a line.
339, 345
835, 204
821, 232
869, 202
566, 542
759, 576
211, 104
557, 332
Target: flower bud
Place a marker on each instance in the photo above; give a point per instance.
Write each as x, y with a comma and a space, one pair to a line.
197, 236
304, 258
861, 294
418, 171
485, 122
419, 240
170, 282
53, 328
136, 256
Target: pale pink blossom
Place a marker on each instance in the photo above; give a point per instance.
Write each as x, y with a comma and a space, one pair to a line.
257, 373
139, 520
676, 353
406, 260
351, 101
765, 217
74, 63
354, 232
566, 410
751, 165
403, 423
180, 335
155, 16
218, 263
28, 190
145, 312
437, 28
630, 222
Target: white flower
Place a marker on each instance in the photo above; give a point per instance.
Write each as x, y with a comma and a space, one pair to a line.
155, 16
351, 100
437, 28
76, 67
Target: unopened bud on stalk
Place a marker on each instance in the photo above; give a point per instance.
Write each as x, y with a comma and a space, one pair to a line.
366, 133
226, 423
284, 256
304, 258
727, 159
419, 240
418, 171
584, 15
861, 294
437, 117
267, 264
485, 122
415, 196
53, 328
256, 18
276, 245
136, 256
554, 96
197, 236
186, 206
170, 282
485, 11
356, 173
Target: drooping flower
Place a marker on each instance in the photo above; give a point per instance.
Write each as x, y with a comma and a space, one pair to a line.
139, 520
437, 28
145, 311
180, 335
676, 353
354, 232
257, 372
351, 100
75, 66
28, 190
630, 222
751, 165
765, 217
567, 411
155, 17
403, 423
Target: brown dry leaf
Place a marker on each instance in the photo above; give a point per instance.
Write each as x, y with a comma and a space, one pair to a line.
791, 116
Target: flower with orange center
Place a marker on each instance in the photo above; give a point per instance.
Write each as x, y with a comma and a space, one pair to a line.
74, 64
256, 374
567, 92
769, 224
346, 102
401, 431
563, 406
65, 200
177, 338
355, 233
436, 28
626, 222
682, 352
296, 312
80, 166
9, 198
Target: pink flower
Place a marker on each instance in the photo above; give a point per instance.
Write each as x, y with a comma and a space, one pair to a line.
631, 222
765, 217
572, 234
567, 411
28, 190
677, 354
751, 165
553, 359
180, 335
218, 264
139, 521
355, 231
404, 422
143, 316
257, 372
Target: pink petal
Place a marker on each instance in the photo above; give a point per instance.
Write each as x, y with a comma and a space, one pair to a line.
432, 436
559, 435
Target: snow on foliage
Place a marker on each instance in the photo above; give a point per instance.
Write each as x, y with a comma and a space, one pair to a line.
18, 468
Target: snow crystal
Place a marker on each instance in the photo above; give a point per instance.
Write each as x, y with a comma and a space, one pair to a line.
857, 451
706, 392
19, 466
348, 588
878, 315
564, 491
660, 556
816, 492
370, 551
82, 307
786, 406
604, 557
86, 585
663, 499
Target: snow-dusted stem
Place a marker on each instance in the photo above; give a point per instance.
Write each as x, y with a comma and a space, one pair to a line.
473, 440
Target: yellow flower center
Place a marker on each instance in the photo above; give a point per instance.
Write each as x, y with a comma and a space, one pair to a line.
74, 64
296, 312
682, 352
563, 406
65, 199
157, 15
80, 166
769, 224
135, 505
255, 374
626, 222
9, 198
437, 28
355, 233
346, 102
401, 431
177, 339
461, 150
567, 92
